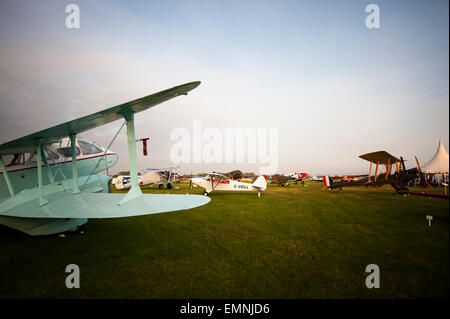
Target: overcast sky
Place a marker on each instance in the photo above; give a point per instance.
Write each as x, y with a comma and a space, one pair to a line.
334, 88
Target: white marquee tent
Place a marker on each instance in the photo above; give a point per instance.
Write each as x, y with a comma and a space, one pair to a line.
439, 163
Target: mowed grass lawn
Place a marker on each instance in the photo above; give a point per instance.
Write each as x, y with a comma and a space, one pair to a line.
293, 242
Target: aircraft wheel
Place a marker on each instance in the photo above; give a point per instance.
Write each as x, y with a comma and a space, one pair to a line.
110, 187
160, 186
169, 186
205, 193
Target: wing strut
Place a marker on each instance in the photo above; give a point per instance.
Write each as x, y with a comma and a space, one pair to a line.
388, 168
42, 200
49, 170
135, 191
76, 190
6, 177
376, 171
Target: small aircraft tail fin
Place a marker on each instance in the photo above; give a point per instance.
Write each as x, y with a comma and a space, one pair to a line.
260, 183
327, 181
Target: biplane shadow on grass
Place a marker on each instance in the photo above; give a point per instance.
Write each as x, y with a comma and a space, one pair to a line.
69, 191
395, 173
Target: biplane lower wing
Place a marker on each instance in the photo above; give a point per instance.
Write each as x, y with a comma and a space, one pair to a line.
104, 205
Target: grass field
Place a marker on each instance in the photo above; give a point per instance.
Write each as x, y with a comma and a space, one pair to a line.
293, 242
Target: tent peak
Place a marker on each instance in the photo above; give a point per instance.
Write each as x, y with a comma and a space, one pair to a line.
440, 161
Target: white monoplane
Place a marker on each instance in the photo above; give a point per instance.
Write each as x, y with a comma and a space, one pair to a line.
217, 182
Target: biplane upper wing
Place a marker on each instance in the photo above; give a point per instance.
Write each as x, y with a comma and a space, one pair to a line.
382, 157
53, 134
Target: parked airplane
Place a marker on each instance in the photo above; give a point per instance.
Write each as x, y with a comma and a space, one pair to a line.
217, 182
285, 180
397, 179
50, 187
297, 176
316, 178
150, 176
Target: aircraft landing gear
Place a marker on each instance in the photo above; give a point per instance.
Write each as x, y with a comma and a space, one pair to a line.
160, 186
169, 186
205, 193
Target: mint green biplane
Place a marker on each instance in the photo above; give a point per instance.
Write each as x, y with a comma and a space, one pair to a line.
46, 188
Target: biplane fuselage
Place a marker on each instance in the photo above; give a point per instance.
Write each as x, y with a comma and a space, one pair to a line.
22, 167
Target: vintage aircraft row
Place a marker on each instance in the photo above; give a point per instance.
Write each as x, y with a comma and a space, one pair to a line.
231, 181
51, 181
